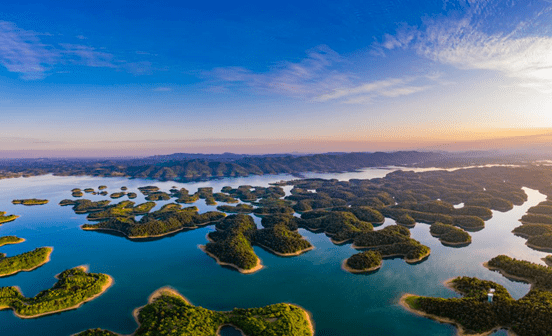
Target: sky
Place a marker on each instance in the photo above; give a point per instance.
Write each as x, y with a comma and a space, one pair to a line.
131, 78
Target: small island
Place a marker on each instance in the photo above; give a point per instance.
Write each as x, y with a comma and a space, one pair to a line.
24, 262
365, 262
6, 218
450, 235
168, 312
7, 240
240, 208
231, 244
30, 201
391, 241
475, 315
74, 287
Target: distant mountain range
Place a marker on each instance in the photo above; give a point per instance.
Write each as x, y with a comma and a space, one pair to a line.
192, 167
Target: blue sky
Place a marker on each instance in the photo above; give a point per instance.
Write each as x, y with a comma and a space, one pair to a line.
136, 78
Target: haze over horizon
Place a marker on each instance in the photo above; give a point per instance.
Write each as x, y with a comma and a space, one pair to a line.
123, 78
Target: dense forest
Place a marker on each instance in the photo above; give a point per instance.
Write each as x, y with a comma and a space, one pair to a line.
364, 262
25, 261
74, 286
539, 276
170, 314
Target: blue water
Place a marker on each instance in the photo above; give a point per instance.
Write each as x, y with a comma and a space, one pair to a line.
342, 304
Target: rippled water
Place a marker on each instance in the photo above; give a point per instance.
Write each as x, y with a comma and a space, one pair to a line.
341, 303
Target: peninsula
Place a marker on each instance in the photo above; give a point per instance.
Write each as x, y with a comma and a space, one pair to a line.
74, 287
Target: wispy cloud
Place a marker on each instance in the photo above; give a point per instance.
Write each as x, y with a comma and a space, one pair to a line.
520, 51
162, 89
315, 74
387, 88
24, 52
21, 51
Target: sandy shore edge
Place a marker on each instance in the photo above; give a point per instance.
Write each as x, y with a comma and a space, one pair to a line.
32, 268
239, 269
460, 329
104, 288
352, 270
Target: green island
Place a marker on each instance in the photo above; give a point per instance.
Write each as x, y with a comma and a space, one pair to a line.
124, 209
340, 226
474, 314
132, 195
30, 201
7, 240
82, 206
169, 313
391, 241
77, 193
74, 287
240, 208
282, 241
7, 218
158, 196
450, 235
364, 262
24, 262
116, 195
169, 219
88, 190
537, 227
231, 244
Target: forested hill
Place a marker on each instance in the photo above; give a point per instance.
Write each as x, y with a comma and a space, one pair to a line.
170, 167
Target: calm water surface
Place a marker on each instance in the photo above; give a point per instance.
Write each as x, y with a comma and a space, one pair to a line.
342, 304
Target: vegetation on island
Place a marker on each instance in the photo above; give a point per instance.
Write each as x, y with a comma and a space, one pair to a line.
124, 209
74, 287
391, 241
170, 218
158, 196
548, 260
366, 261
132, 195
168, 313
281, 240
30, 201
24, 262
341, 226
6, 218
474, 314
116, 195
450, 235
231, 243
7, 240
537, 227
240, 208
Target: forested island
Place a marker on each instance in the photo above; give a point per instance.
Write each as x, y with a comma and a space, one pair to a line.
30, 201
6, 218
168, 312
391, 241
537, 227
167, 220
474, 314
450, 235
74, 287
24, 262
6, 240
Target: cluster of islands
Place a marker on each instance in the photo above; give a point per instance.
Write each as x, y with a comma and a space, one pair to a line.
451, 203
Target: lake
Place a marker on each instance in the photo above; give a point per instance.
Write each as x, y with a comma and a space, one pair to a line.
341, 304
